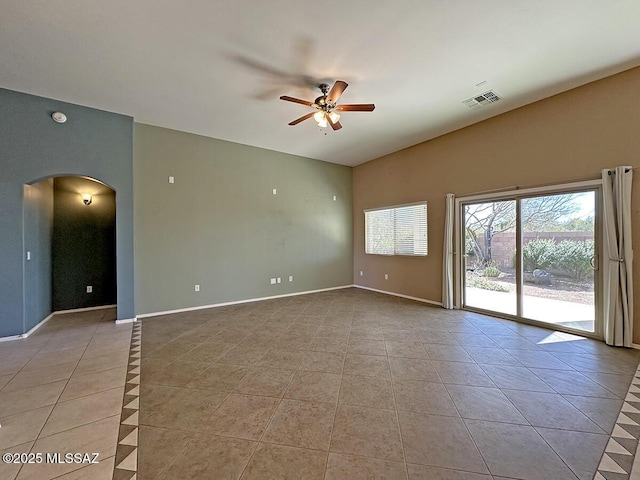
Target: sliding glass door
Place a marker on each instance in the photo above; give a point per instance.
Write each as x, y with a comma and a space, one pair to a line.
533, 257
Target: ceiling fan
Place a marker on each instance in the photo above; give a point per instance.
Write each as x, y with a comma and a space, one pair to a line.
326, 107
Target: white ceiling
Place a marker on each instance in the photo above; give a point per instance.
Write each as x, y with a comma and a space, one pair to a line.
217, 68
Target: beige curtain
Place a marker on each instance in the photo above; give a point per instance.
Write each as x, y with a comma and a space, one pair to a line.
618, 257
447, 259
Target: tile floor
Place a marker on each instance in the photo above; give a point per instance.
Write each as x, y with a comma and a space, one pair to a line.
61, 390
345, 384
351, 384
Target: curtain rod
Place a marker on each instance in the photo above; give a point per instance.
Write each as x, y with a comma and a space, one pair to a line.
521, 187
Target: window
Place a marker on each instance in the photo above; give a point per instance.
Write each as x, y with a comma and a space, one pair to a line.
397, 230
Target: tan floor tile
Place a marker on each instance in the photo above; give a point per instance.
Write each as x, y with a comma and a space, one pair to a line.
185, 410
177, 374
399, 335
23, 427
102, 350
484, 403
406, 349
208, 456
99, 437
269, 382
240, 355
152, 397
84, 410
100, 471
29, 398
220, 377
550, 410
367, 432
285, 463
366, 365
517, 451
314, 387
207, 352
373, 392
450, 353
4, 379
104, 362
423, 397
439, 442
461, 373
328, 344
241, 416
94, 382
301, 424
516, 378
9, 471
327, 362
157, 448
412, 369
285, 359
580, 451
350, 467
47, 359
420, 472
39, 376
359, 346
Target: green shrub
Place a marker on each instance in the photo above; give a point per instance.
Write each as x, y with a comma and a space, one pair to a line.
575, 257
539, 253
480, 282
491, 272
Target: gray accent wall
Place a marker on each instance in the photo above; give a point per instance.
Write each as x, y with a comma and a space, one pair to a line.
220, 226
38, 228
33, 147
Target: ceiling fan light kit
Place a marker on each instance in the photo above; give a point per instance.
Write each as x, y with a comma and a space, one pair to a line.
326, 107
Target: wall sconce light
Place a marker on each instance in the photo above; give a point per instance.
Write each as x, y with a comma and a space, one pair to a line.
87, 198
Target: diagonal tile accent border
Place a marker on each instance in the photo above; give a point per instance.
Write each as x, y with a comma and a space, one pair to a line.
618, 457
126, 462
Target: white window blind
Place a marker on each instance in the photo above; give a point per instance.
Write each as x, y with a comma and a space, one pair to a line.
397, 230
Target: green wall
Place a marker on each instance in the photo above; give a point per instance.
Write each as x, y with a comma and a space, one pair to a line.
220, 226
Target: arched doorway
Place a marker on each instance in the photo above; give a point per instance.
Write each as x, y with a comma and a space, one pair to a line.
70, 245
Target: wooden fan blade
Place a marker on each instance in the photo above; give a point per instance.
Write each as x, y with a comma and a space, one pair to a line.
296, 100
356, 107
302, 119
336, 125
336, 91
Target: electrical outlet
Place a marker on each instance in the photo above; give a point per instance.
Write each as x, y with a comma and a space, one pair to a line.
89, 289
291, 278
172, 179
273, 281
197, 288
275, 192
279, 280
361, 273
335, 198
386, 276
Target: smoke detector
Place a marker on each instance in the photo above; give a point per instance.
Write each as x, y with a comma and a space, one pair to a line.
483, 99
59, 117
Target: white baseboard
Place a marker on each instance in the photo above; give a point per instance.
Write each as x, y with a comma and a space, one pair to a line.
86, 309
25, 335
237, 302
59, 312
636, 346
126, 320
423, 300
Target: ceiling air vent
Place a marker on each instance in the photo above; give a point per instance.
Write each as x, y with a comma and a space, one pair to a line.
483, 99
